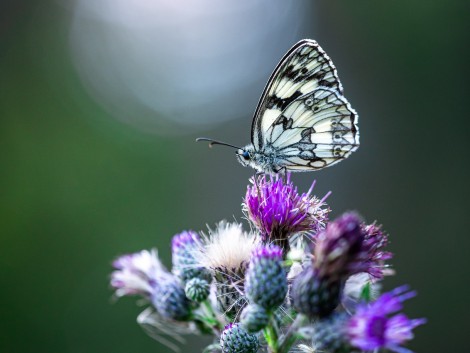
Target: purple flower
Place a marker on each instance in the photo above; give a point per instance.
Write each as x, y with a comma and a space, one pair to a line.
277, 209
347, 247
372, 326
339, 247
137, 274
372, 256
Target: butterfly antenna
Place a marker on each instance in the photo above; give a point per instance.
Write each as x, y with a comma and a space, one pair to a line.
215, 142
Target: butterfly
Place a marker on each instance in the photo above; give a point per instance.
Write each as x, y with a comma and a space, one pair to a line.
302, 122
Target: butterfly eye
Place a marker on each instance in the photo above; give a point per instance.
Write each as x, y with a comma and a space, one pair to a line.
245, 155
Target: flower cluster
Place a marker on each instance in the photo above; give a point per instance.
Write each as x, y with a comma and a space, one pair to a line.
297, 281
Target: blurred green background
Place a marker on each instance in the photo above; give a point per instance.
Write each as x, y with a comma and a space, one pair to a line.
79, 187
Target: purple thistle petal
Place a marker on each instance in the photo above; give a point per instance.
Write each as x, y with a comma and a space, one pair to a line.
372, 327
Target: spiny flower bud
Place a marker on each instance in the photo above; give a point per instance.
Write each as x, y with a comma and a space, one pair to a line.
197, 289
170, 299
185, 265
329, 334
235, 339
254, 318
314, 296
266, 279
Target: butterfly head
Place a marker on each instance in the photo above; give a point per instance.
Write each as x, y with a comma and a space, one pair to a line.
245, 155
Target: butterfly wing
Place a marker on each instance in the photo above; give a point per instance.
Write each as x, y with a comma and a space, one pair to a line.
314, 131
304, 68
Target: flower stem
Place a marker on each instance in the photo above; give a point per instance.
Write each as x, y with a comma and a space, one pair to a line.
211, 315
271, 334
292, 334
209, 318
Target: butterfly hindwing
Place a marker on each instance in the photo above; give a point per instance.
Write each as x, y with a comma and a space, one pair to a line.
314, 131
304, 68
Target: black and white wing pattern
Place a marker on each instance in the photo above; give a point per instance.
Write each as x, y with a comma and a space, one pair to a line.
302, 113
315, 131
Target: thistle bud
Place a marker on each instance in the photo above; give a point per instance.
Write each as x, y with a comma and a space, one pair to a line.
235, 339
170, 299
266, 279
197, 289
184, 247
329, 334
313, 295
254, 318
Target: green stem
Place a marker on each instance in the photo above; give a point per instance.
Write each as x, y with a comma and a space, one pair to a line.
271, 334
212, 316
292, 334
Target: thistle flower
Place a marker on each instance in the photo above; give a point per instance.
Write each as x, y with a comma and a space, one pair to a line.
235, 339
254, 318
137, 274
184, 248
338, 251
372, 326
266, 279
279, 211
226, 252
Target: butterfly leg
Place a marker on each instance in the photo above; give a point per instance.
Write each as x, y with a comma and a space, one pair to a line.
257, 174
282, 171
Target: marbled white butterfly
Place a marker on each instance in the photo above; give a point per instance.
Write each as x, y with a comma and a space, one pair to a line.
302, 122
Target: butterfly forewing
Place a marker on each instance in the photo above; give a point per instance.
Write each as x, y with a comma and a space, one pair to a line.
315, 131
304, 68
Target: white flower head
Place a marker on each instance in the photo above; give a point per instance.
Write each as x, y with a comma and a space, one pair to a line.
226, 252
228, 246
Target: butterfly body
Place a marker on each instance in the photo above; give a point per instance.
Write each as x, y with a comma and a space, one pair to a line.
264, 161
302, 122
